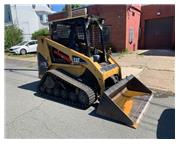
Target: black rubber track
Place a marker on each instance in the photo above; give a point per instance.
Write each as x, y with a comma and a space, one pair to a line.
71, 81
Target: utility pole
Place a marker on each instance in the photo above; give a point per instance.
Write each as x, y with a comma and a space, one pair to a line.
68, 9
17, 21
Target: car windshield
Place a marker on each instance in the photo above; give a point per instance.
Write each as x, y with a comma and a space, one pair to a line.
22, 43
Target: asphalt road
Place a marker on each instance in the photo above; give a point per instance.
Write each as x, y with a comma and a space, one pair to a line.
30, 116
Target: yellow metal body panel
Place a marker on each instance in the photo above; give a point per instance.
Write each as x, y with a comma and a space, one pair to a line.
74, 68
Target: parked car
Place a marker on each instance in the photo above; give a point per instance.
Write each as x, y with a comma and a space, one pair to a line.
25, 47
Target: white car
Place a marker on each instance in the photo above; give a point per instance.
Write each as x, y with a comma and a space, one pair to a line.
25, 47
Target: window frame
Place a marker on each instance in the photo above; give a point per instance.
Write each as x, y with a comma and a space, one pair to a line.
131, 35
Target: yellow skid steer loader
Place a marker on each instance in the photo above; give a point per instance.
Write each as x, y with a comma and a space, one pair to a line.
75, 67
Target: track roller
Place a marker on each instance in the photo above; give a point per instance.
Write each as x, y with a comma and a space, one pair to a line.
57, 84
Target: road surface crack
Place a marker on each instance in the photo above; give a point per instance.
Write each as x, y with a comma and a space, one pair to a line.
148, 68
24, 113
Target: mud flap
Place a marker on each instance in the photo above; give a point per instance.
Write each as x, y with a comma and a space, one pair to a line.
125, 101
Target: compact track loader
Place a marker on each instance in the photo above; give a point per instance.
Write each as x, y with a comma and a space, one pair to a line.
75, 67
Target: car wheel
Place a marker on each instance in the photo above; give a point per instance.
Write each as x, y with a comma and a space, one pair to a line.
23, 52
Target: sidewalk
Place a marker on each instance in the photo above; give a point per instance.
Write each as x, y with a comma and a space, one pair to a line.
126, 71
23, 58
158, 70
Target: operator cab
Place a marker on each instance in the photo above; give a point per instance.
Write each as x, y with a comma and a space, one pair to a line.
83, 34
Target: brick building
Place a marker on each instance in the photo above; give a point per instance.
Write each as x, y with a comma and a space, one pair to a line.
157, 27
121, 24
133, 26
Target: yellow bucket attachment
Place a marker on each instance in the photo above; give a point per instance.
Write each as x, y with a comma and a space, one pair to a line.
125, 101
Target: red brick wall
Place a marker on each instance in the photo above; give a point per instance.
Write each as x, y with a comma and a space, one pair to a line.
150, 12
115, 17
56, 16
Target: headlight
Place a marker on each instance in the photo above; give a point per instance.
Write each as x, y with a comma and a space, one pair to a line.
14, 49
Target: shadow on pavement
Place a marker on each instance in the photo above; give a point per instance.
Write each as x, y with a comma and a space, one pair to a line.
158, 53
166, 125
33, 87
94, 114
30, 86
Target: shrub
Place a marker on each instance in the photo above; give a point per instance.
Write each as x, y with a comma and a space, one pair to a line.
13, 36
126, 51
73, 6
41, 32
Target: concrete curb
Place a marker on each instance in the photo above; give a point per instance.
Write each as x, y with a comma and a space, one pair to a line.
126, 71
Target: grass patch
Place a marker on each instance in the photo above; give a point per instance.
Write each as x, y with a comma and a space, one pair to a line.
124, 52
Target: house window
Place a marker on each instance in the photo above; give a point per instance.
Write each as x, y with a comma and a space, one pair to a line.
45, 18
131, 35
41, 17
9, 16
107, 33
33, 6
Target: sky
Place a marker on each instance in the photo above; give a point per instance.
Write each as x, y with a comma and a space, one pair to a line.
57, 7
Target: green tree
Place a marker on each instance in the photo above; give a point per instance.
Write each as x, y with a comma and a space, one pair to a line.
13, 36
74, 6
40, 32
